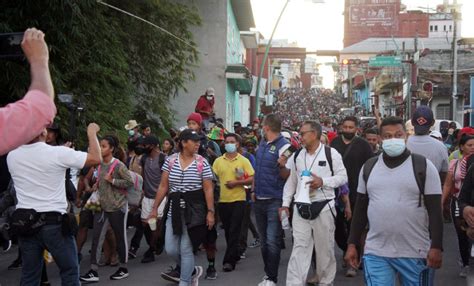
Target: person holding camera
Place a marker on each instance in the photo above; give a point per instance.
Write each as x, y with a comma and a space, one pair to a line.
22, 121
40, 219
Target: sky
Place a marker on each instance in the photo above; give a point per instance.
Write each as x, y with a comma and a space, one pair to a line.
321, 26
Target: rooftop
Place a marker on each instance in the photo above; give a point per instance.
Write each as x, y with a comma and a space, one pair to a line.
380, 45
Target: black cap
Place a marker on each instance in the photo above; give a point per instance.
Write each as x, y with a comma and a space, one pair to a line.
189, 134
422, 119
149, 140
237, 124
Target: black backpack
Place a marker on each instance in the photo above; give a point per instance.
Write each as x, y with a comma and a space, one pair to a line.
419, 169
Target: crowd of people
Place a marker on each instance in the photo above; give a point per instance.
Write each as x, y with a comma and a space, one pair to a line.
379, 195
295, 105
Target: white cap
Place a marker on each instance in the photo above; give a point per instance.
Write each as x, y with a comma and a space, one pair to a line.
436, 134
210, 91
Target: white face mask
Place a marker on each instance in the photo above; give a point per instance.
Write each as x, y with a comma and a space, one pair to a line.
394, 147
209, 97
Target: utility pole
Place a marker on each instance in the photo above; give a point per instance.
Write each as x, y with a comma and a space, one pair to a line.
414, 79
455, 64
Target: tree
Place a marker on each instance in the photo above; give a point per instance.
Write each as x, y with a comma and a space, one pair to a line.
118, 67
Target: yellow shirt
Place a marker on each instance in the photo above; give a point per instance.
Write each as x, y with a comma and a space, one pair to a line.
229, 170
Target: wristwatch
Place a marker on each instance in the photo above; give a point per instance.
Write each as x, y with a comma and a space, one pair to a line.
211, 210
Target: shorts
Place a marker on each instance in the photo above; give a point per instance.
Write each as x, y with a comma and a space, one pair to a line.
86, 219
147, 205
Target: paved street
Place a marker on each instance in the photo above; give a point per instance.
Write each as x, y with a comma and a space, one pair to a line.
248, 272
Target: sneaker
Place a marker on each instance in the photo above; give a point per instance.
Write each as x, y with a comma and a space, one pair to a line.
121, 273
172, 275
227, 267
211, 273
351, 272
243, 255
464, 271
91, 276
132, 253
255, 243
7, 244
267, 282
149, 256
197, 273
16, 264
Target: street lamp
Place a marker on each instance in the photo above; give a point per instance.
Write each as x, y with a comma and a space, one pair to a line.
267, 50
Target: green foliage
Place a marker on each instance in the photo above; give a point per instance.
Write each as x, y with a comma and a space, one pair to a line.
118, 67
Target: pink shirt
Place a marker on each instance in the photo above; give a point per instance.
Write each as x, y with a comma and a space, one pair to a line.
22, 121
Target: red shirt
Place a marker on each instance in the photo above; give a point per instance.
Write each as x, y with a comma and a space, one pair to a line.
204, 105
22, 121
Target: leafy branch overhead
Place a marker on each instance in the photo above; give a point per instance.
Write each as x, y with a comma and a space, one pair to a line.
119, 67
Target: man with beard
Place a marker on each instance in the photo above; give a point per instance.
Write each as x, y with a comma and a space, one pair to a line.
355, 151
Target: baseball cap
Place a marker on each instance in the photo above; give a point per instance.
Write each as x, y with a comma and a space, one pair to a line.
189, 134
436, 134
422, 119
210, 91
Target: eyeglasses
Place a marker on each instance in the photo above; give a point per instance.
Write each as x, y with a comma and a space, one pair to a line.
302, 133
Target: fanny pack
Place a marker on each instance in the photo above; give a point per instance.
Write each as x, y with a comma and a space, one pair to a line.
26, 222
311, 211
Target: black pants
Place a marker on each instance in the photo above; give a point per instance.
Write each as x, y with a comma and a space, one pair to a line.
341, 234
231, 215
463, 240
135, 220
247, 224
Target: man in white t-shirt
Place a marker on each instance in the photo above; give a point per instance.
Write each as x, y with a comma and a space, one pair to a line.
38, 171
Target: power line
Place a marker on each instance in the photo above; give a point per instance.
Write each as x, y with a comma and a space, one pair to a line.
149, 23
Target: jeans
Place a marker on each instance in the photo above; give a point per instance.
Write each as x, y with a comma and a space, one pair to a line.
180, 248
271, 234
231, 216
382, 271
62, 248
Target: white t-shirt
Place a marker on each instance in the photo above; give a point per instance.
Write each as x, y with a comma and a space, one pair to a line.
38, 172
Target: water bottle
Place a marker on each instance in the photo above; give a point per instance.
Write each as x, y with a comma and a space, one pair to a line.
285, 222
303, 188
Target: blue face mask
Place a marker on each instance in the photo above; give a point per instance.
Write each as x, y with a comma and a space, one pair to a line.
131, 133
230, 147
394, 147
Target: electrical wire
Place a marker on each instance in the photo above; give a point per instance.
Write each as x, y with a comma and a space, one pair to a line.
149, 23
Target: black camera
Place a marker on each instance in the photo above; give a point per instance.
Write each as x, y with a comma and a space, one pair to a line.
10, 46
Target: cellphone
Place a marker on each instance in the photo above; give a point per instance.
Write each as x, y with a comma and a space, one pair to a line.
10, 45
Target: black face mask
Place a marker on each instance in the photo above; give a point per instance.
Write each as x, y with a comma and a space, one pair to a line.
139, 150
148, 150
348, 135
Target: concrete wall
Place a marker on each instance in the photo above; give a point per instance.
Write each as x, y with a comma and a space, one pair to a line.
211, 39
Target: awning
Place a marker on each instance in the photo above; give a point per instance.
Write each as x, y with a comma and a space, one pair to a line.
239, 77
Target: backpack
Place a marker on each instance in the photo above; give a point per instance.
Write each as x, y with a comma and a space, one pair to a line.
419, 170
133, 193
199, 160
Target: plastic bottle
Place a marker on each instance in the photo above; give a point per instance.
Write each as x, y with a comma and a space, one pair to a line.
285, 222
303, 188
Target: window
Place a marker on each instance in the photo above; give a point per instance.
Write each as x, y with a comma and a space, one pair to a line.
444, 29
436, 28
442, 111
431, 28
450, 28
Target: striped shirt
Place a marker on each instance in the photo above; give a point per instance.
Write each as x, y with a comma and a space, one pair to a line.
189, 179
